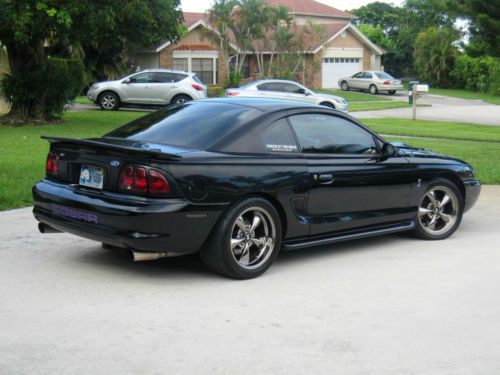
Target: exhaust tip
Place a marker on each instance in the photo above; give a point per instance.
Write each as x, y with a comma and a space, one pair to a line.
44, 228
141, 256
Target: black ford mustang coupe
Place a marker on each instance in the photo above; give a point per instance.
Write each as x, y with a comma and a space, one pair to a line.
240, 179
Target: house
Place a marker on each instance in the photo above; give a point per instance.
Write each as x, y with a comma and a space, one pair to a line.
344, 52
4, 68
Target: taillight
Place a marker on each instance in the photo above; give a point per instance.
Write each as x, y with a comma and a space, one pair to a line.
197, 87
157, 182
232, 93
143, 180
52, 164
387, 83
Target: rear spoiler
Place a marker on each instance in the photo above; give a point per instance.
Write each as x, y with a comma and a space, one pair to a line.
153, 152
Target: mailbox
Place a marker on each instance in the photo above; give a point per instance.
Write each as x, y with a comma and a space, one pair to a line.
422, 88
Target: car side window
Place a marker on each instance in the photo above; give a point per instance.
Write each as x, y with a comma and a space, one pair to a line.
367, 75
277, 87
278, 137
142, 78
358, 75
164, 77
319, 133
291, 88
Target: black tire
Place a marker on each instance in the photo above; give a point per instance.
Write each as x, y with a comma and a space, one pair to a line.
392, 92
218, 254
344, 86
109, 101
327, 104
181, 98
373, 90
452, 211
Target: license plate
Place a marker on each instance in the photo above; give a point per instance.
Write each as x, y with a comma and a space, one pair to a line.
91, 176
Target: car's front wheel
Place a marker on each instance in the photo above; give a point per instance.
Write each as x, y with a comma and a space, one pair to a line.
109, 101
245, 241
440, 210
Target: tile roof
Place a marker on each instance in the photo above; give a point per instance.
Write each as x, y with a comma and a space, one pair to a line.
311, 7
195, 47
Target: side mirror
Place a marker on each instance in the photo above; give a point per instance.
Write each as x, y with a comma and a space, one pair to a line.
389, 150
126, 81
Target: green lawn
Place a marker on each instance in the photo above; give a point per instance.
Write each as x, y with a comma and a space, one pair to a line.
434, 129
82, 100
374, 106
483, 156
23, 153
356, 96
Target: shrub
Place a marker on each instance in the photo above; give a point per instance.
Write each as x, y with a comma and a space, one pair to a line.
215, 91
43, 92
234, 80
477, 74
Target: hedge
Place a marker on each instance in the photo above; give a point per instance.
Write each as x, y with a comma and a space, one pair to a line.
477, 74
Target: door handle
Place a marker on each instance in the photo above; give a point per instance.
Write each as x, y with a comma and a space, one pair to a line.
325, 179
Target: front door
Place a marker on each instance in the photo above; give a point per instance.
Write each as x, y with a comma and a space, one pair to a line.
137, 89
351, 185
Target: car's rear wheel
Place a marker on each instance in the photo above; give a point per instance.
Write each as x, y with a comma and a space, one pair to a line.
245, 241
344, 86
392, 92
373, 90
328, 104
440, 210
109, 101
180, 99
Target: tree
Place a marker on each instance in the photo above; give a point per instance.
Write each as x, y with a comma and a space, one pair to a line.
483, 19
27, 27
435, 51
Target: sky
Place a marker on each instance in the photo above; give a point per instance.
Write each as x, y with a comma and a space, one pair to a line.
203, 5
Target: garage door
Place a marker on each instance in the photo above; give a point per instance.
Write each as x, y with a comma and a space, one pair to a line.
335, 68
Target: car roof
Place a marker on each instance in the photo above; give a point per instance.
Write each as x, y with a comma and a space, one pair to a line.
261, 104
261, 81
162, 70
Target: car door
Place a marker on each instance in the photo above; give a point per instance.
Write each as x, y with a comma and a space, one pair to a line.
138, 88
356, 81
352, 185
298, 93
164, 87
366, 81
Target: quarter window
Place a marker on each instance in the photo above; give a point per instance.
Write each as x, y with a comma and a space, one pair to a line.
278, 138
318, 133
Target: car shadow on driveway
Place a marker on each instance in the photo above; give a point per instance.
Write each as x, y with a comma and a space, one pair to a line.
191, 267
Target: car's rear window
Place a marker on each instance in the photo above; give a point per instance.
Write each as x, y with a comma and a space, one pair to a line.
382, 75
192, 125
197, 79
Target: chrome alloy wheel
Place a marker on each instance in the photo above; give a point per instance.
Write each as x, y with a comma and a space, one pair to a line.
253, 238
108, 101
438, 210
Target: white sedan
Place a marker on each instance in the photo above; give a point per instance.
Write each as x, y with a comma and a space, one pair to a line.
371, 81
287, 90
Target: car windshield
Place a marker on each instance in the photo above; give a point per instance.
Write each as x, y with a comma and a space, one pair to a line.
192, 125
383, 75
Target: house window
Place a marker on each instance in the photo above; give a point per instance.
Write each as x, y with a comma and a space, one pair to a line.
204, 69
181, 64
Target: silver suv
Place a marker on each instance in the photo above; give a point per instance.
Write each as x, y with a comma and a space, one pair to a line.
287, 90
151, 87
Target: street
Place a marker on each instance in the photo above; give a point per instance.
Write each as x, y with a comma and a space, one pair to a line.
386, 305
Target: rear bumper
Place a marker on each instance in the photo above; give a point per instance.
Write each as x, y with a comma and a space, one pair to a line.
174, 226
472, 190
390, 87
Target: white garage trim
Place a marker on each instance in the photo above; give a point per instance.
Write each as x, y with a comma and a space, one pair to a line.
343, 52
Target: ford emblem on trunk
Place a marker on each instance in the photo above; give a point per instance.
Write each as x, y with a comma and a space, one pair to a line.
115, 163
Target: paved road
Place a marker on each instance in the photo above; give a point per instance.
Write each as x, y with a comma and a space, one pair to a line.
390, 305
443, 108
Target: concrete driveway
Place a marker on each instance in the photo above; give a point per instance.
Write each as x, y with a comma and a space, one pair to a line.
444, 108
389, 305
